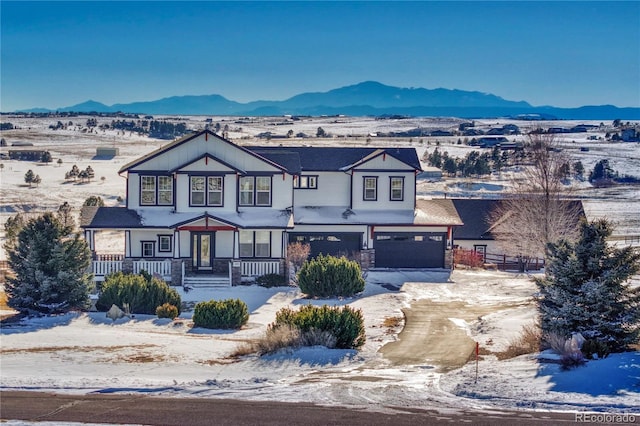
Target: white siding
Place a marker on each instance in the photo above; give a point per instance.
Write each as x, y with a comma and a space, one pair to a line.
333, 190
190, 150
383, 201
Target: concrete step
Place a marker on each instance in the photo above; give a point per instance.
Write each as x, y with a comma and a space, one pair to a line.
206, 282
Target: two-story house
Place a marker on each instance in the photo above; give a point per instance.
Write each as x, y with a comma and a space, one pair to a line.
203, 208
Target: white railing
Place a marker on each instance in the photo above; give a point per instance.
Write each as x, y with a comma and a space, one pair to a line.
256, 268
160, 267
104, 267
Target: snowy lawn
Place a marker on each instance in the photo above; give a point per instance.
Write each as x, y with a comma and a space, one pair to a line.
86, 352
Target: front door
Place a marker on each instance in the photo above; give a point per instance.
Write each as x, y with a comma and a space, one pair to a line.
202, 244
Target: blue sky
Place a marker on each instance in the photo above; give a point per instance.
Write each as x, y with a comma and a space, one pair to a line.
566, 54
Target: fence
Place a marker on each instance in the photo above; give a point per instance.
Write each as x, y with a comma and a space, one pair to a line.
502, 262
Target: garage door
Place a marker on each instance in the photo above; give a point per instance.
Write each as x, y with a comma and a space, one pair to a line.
335, 244
409, 249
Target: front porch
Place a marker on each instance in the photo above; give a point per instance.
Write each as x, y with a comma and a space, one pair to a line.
180, 272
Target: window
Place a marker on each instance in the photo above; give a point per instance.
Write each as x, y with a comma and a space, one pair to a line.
255, 244
148, 190
148, 249
263, 244
246, 191
197, 191
206, 190
397, 189
246, 243
164, 243
165, 190
215, 190
263, 191
306, 182
255, 191
370, 189
156, 190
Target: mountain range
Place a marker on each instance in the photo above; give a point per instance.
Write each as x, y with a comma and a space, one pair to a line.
366, 98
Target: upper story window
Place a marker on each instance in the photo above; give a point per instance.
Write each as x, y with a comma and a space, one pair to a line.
306, 182
156, 190
255, 191
206, 190
370, 186
165, 190
396, 188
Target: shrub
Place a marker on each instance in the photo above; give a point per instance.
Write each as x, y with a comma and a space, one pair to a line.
345, 324
596, 347
167, 310
528, 341
230, 313
570, 354
142, 294
327, 276
468, 258
275, 338
271, 280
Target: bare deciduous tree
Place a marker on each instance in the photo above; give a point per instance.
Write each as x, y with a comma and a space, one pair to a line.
538, 210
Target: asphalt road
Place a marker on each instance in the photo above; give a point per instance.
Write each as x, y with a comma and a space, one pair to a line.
148, 410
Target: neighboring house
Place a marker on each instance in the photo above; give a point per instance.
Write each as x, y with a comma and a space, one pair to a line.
203, 208
475, 233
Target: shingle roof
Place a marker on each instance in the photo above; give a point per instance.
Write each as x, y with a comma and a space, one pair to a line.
335, 158
437, 212
474, 213
109, 218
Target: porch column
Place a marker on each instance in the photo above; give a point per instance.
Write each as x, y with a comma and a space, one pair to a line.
176, 244
89, 236
127, 243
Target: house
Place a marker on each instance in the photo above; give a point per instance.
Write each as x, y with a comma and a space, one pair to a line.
476, 232
203, 209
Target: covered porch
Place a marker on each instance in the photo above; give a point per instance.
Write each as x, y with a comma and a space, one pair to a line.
168, 269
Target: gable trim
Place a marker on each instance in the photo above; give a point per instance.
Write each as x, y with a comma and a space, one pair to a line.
188, 138
208, 157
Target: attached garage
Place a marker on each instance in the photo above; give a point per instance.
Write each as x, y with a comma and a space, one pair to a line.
410, 249
329, 243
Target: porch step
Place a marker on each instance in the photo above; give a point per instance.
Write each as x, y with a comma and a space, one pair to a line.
206, 282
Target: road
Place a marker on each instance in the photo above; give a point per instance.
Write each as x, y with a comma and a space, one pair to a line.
147, 410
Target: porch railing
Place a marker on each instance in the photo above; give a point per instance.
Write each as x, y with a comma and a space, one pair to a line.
256, 268
159, 267
104, 267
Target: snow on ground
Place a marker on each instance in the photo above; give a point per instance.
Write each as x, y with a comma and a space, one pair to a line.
86, 352
83, 353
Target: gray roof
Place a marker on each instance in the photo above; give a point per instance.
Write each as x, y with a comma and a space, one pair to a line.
332, 158
109, 218
475, 214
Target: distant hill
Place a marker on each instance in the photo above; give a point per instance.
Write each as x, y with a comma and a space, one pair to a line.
366, 98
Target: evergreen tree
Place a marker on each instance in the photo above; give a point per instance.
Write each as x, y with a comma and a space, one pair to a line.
50, 268
65, 217
585, 288
94, 201
29, 176
46, 157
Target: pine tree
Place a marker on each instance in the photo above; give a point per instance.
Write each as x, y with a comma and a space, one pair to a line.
50, 268
28, 177
585, 288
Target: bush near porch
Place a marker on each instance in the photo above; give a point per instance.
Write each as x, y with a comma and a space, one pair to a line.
142, 293
221, 314
328, 276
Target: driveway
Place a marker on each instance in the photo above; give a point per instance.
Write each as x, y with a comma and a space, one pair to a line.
431, 337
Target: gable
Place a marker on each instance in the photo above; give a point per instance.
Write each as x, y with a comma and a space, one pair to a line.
182, 153
381, 160
206, 163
